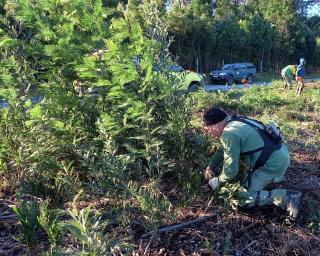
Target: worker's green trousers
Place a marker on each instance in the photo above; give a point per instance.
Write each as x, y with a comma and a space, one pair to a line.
255, 195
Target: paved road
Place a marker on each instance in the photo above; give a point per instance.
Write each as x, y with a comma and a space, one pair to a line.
207, 88
216, 87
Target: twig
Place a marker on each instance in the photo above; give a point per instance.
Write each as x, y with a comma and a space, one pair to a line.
5, 217
249, 245
209, 204
150, 242
303, 187
309, 233
6, 201
5, 237
241, 231
181, 225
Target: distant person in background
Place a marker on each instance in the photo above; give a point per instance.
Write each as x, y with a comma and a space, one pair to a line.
300, 76
287, 73
245, 82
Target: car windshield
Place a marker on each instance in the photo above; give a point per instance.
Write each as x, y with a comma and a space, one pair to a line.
176, 68
227, 67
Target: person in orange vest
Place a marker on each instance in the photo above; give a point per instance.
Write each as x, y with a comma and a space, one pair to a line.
300, 76
245, 82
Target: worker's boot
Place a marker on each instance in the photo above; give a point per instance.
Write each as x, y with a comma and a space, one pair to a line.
293, 203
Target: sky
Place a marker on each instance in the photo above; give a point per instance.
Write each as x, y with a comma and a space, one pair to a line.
315, 10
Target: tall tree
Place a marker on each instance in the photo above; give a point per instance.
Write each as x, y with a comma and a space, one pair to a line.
191, 28
260, 39
303, 6
283, 15
225, 8
313, 23
229, 40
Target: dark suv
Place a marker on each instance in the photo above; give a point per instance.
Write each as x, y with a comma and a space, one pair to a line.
235, 72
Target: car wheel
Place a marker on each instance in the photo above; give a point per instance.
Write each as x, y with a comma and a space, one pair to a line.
193, 87
250, 79
230, 80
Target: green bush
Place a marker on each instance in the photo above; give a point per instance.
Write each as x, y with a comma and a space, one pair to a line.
27, 213
49, 220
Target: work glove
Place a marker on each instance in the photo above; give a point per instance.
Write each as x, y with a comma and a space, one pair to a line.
214, 183
211, 151
293, 203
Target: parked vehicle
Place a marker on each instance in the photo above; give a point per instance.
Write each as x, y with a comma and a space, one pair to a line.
235, 72
189, 80
186, 79
33, 101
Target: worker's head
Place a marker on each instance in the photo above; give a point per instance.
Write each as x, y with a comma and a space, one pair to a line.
302, 61
214, 121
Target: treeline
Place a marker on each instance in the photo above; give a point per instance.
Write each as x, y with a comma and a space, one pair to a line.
208, 33
269, 33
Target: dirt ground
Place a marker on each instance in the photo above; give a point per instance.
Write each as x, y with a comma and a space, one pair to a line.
251, 232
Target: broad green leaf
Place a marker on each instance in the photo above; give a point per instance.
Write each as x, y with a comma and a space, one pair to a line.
35, 112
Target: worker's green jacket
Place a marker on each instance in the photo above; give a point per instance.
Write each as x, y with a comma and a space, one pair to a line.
238, 137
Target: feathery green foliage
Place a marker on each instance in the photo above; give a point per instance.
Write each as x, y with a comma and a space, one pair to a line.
27, 214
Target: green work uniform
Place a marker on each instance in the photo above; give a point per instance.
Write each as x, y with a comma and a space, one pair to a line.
238, 137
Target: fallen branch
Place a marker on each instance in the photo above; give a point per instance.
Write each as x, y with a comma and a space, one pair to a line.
150, 242
6, 201
180, 225
249, 245
245, 229
209, 204
304, 187
6, 217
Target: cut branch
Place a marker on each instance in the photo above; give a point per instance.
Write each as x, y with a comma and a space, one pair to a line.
181, 225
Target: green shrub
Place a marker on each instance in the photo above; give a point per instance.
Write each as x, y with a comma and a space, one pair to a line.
12, 130
27, 214
54, 181
86, 227
49, 221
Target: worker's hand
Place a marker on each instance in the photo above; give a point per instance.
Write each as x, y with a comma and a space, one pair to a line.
208, 173
210, 151
214, 183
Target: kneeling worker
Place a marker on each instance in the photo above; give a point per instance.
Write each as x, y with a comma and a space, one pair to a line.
266, 157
